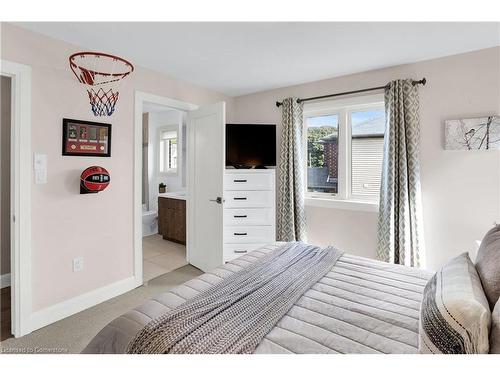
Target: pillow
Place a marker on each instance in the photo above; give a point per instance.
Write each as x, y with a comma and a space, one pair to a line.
488, 265
495, 330
454, 316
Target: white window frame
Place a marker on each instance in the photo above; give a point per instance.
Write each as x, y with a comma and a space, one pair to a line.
167, 128
343, 108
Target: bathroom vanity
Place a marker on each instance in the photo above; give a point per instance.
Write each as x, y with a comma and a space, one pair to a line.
172, 217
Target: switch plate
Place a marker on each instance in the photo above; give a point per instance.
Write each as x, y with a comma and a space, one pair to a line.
78, 264
40, 167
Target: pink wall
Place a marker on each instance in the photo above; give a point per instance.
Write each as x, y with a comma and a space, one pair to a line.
65, 224
460, 189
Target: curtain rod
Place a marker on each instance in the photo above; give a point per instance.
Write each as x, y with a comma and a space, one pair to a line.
423, 81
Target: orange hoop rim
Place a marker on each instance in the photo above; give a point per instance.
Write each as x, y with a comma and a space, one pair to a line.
74, 65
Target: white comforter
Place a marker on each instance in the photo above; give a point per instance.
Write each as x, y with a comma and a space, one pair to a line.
360, 306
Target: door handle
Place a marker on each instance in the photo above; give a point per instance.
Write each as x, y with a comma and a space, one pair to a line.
239, 180
218, 200
240, 234
239, 216
240, 198
240, 251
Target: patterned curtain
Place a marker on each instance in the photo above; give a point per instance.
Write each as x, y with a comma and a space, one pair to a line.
400, 226
290, 215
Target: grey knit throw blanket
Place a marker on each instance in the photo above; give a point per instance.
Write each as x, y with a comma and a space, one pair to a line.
234, 315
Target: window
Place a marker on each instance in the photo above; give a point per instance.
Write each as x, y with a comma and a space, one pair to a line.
367, 147
344, 145
168, 151
322, 153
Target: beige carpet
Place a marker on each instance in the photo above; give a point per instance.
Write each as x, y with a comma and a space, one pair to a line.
72, 334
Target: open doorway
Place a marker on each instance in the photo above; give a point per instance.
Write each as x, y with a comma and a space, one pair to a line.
15, 188
204, 176
163, 189
5, 194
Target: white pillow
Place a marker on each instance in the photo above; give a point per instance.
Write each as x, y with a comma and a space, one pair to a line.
495, 329
455, 316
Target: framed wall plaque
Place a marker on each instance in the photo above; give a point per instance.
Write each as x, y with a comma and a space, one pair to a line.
86, 138
480, 133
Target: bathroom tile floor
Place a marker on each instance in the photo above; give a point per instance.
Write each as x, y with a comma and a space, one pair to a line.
161, 256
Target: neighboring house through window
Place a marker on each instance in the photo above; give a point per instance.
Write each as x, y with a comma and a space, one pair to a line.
345, 140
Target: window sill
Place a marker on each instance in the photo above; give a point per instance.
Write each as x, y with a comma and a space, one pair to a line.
168, 174
350, 204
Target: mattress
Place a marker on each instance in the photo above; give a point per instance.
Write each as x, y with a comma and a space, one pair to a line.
359, 306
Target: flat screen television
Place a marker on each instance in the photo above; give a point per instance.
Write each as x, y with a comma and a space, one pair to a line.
250, 145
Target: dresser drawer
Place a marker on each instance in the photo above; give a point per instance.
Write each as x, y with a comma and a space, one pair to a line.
248, 181
233, 251
249, 234
248, 216
248, 199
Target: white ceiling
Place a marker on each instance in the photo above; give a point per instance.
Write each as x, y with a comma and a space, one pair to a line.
242, 58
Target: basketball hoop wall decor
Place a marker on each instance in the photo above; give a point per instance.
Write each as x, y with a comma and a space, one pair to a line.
93, 180
102, 74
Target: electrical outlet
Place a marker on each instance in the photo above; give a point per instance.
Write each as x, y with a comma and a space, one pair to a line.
78, 264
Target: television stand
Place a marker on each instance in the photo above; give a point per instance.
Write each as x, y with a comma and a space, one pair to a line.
249, 211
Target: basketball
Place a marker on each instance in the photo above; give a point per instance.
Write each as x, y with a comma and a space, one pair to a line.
93, 180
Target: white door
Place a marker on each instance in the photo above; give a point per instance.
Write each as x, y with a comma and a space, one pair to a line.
206, 153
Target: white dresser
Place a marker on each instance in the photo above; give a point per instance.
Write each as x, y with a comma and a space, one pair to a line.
249, 210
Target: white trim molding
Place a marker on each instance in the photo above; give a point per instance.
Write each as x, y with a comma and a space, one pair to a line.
140, 98
20, 266
342, 204
82, 302
4, 280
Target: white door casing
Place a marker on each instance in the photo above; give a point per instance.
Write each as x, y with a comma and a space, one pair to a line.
140, 98
206, 145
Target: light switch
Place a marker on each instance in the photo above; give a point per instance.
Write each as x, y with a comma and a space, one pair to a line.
78, 264
40, 167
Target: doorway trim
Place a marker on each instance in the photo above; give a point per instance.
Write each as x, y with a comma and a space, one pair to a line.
140, 98
20, 249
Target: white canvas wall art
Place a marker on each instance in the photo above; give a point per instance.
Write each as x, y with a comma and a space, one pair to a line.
482, 133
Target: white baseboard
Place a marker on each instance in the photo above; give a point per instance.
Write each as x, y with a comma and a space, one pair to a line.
74, 305
5, 280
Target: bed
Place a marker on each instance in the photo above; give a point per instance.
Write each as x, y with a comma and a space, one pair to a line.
359, 306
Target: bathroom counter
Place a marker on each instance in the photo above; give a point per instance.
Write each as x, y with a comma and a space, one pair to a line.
181, 195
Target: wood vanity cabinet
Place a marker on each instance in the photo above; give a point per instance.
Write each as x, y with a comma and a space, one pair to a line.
172, 219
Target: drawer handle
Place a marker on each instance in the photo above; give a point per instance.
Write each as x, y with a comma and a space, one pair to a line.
240, 198
239, 180
239, 216
240, 234
240, 251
